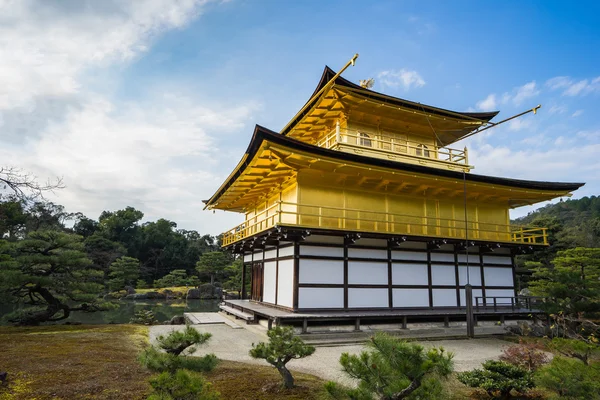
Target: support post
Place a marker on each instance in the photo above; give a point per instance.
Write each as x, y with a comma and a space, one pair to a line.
470, 315
305, 325
338, 136
243, 289
404, 321
446, 321
357, 324
270, 324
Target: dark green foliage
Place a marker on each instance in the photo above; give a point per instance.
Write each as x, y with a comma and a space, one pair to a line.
578, 349
393, 369
157, 361
572, 284
181, 385
282, 347
144, 317
234, 271
103, 251
498, 379
123, 272
174, 344
212, 264
570, 379
50, 276
177, 341
571, 223
177, 277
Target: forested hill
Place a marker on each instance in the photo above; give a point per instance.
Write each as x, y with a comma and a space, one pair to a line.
571, 223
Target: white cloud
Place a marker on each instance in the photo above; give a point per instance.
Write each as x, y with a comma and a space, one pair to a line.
403, 78
160, 154
557, 109
525, 92
488, 104
519, 124
45, 46
577, 113
572, 88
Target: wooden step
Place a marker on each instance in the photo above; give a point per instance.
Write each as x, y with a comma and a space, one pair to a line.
237, 313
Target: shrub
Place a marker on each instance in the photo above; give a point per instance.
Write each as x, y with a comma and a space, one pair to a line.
394, 369
143, 317
181, 385
498, 378
177, 277
570, 378
177, 341
575, 348
283, 346
525, 355
141, 284
157, 361
174, 344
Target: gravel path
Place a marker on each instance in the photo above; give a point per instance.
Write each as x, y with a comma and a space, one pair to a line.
233, 344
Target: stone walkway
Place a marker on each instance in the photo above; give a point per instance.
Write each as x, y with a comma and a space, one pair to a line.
233, 344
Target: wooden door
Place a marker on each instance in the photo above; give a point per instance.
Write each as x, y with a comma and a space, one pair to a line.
257, 281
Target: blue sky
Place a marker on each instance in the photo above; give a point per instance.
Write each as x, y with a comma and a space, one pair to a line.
151, 103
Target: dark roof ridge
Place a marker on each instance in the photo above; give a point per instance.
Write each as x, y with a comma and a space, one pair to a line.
261, 133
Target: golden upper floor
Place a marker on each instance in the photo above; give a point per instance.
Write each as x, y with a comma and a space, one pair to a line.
346, 117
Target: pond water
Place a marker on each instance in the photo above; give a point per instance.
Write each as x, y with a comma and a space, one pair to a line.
163, 310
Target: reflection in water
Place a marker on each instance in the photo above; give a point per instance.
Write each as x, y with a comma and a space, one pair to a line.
163, 310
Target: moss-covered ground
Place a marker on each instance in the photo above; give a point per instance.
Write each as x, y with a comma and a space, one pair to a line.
73, 362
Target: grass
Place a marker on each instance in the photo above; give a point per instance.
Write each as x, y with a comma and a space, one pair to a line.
73, 362
239, 381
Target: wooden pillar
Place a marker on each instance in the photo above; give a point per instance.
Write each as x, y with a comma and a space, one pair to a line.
470, 315
404, 322
305, 325
243, 289
357, 324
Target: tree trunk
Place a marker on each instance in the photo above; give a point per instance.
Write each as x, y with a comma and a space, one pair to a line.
288, 379
212, 280
404, 393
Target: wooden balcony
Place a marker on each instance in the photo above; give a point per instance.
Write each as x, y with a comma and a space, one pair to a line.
388, 147
353, 220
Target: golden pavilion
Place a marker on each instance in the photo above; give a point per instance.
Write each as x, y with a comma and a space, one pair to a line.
361, 204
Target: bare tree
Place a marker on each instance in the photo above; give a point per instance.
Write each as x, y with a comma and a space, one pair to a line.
24, 185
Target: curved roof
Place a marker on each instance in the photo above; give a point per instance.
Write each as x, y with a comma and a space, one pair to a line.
262, 134
340, 82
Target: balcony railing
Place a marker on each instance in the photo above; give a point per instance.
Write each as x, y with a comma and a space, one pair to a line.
348, 219
393, 146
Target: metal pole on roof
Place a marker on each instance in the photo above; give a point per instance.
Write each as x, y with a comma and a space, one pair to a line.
325, 87
493, 124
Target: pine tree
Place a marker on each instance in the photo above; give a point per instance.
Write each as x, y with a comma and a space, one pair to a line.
51, 277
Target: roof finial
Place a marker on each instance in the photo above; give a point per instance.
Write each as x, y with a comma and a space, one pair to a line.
366, 83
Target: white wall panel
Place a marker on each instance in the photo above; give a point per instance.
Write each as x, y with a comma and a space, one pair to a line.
324, 239
497, 260
367, 298
410, 297
248, 258
444, 297
269, 281
443, 275
270, 254
321, 298
413, 245
495, 276
476, 293
499, 293
473, 258
258, 256
361, 272
321, 271
474, 275
367, 253
442, 257
372, 242
409, 274
285, 284
286, 251
409, 255
321, 251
